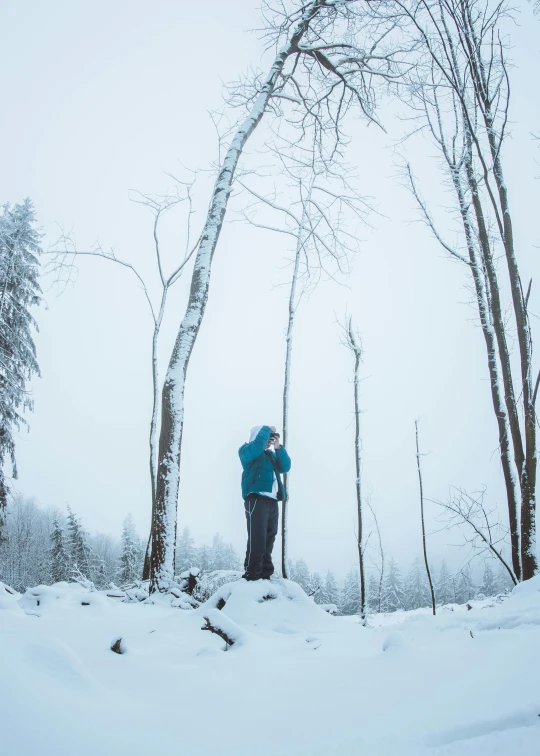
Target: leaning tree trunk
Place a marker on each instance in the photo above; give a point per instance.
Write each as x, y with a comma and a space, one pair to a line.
172, 412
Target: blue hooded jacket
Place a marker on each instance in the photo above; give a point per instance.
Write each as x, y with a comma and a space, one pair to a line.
259, 465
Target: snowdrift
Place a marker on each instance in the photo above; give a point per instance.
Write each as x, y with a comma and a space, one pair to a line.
275, 675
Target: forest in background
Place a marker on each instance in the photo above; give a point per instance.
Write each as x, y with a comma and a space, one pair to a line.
44, 546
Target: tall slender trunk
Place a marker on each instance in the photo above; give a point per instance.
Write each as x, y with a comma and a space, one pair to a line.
172, 407
287, 384
424, 546
358, 464
355, 347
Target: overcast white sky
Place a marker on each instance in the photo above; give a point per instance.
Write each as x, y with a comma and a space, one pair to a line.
100, 98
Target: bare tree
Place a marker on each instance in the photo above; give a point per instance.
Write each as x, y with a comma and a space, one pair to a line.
460, 88
62, 266
380, 551
320, 70
424, 546
319, 203
351, 340
487, 535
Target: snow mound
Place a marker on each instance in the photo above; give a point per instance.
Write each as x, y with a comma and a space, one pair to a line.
263, 608
527, 588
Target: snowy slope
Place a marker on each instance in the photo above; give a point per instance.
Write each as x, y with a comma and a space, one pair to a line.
296, 682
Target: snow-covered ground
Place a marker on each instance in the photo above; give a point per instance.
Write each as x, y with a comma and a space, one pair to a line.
297, 681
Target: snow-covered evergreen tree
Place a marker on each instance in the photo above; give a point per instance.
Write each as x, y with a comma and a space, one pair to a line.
488, 586
350, 596
106, 552
24, 549
19, 292
330, 590
444, 592
59, 566
316, 585
77, 545
301, 575
130, 567
373, 598
393, 595
202, 558
465, 590
417, 593
222, 555
503, 581
185, 551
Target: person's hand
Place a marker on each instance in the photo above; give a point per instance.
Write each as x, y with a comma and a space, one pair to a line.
274, 439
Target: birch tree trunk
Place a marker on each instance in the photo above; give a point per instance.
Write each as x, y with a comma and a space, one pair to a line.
172, 404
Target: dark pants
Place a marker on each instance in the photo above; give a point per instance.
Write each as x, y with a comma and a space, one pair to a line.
262, 516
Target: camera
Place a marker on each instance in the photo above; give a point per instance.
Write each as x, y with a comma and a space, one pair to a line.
274, 436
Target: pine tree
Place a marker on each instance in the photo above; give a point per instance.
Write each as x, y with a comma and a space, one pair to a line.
330, 590
301, 575
130, 568
488, 587
417, 593
58, 557
465, 590
231, 560
503, 581
350, 596
373, 598
202, 558
185, 551
444, 591
19, 292
393, 595
217, 552
77, 545
316, 584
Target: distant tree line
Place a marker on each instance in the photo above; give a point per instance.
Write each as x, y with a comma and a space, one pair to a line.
397, 592
45, 546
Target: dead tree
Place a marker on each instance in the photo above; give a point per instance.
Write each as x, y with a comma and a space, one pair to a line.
467, 509
379, 567
351, 340
323, 66
64, 253
424, 546
460, 90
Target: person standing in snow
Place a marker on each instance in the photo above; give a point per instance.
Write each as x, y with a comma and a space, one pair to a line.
263, 460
